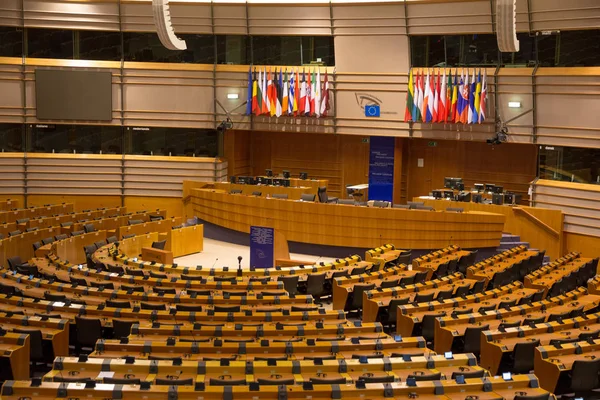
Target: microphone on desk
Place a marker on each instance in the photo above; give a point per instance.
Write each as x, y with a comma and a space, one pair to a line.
317, 260
216, 259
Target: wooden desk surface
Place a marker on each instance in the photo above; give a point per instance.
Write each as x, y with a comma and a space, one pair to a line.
374, 300
546, 279
398, 390
408, 316
102, 255
488, 268
455, 327
432, 265
337, 225
15, 347
294, 193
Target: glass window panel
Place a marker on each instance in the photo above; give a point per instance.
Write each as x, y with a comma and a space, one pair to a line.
436, 54
233, 49
525, 56
480, 50
12, 138
315, 47
570, 164
47, 138
49, 43
11, 41
172, 141
579, 48
418, 50
98, 45
147, 47
546, 50
277, 50
454, 45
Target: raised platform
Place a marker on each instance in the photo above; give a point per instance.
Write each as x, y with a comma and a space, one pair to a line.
348, 226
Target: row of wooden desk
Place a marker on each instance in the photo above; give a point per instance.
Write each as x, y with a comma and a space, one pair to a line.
476, 388
297, 371
8, 204
35, 212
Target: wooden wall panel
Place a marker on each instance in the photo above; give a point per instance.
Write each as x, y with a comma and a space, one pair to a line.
11, 91
449, 17
579, 202
588, 246
96, 15
238, 154
563, 15
10, 13
562, 95
475, 162
368, 19
289, 19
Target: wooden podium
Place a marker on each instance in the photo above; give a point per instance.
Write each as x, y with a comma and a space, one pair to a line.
156, 255
281, 253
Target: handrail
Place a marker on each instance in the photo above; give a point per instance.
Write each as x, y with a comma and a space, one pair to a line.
538, 221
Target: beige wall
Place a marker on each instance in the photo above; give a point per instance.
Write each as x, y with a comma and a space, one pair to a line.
423, 17
372, 62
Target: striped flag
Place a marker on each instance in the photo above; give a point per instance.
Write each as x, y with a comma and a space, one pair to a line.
443, 108
464, 114
473, 88
325, 96
421, 102
460, 105
313, 87
309, 96
410, 94
483, 98
318, 94
477, 99
255, 96
428, 100
296, 92
415, 106
272, 91
266, 107
436, 97
285, 104
279, 93
453, 111
449, 98
302, 104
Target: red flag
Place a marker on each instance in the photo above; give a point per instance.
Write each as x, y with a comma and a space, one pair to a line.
325, 97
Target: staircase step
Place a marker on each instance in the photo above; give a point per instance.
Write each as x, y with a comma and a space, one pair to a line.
507, 237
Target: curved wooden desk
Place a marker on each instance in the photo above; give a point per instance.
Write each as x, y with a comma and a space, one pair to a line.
351, 226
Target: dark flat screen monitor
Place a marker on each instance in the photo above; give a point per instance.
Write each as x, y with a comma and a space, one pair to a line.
497, 199
489, 187
281, 182
232, 179
479, 187
453, 183
286, 174
244, 180
476, 198
465, 197
261, 180
303, 175
73, 95
498, 189
437, 194
448, 194
269, 172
